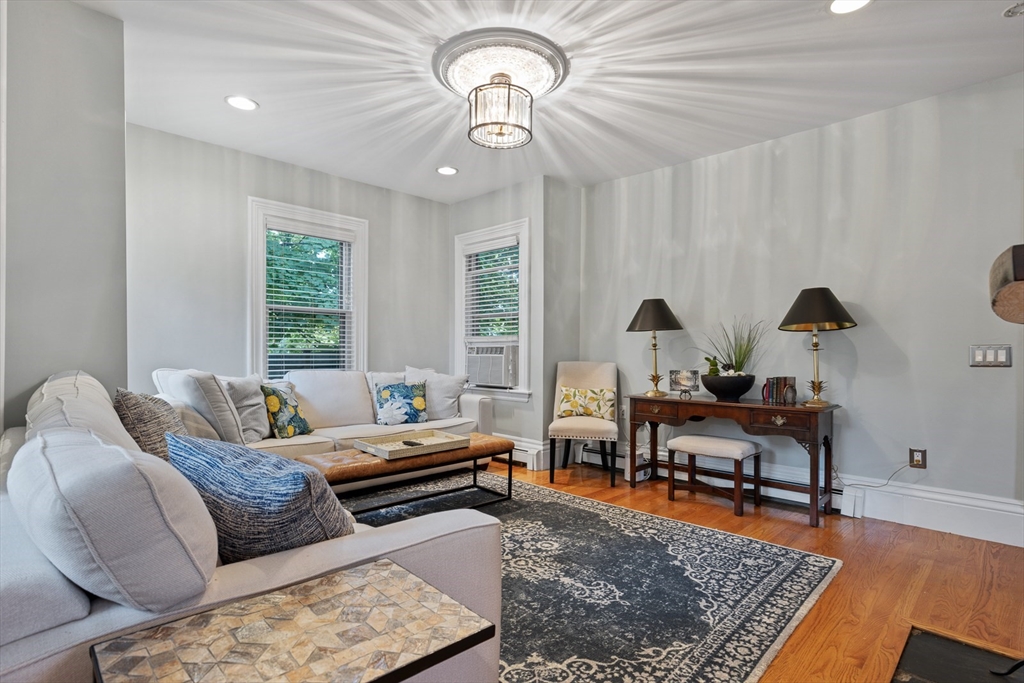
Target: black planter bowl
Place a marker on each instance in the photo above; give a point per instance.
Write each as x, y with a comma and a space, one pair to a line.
728, 387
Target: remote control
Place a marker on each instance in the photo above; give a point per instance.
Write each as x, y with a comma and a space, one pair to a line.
412, 443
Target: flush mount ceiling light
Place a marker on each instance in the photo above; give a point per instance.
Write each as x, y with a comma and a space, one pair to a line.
500, 71
847, 6
240, 102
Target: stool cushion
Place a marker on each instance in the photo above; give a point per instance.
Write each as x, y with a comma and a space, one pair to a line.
579, 427
714, 446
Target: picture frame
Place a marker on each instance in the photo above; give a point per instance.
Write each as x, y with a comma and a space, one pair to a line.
684, 380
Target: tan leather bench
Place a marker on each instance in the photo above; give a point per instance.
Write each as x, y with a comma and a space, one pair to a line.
342, 467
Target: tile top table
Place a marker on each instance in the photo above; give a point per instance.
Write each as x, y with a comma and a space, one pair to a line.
376, 622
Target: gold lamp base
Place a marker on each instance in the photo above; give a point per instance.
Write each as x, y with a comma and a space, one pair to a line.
816, 386
655, 393
816, 403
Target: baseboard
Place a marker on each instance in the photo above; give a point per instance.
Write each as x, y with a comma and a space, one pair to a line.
975, 515
530, 452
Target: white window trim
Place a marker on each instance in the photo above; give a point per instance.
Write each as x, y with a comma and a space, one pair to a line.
483, 240
264, 213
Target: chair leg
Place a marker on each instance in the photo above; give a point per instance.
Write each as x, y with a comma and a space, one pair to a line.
551, 461
737, 489
757, 479
671, 474
604, 456
615, 445
565, 456
691, 469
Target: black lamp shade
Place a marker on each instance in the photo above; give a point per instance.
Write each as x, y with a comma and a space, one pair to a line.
654, 314
816, 306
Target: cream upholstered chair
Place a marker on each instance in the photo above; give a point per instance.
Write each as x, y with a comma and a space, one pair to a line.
584, 375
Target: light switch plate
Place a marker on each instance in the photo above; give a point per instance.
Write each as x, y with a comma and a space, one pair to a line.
991, 356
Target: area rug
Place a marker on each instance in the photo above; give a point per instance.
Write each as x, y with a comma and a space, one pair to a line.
596, 592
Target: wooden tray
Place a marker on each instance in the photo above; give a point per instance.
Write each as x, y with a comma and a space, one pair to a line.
390, 447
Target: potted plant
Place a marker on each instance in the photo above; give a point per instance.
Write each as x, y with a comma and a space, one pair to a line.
730, 354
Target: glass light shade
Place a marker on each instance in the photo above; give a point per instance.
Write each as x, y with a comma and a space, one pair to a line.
500, 115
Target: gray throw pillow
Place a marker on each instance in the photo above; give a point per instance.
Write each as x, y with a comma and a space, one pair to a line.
123, 525
443, 391
147, 419
260, 502
245, 393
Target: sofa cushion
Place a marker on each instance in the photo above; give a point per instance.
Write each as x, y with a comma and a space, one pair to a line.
10, 441
123, 525
70, 384
443, 391
79, 411
305, 444
261, 503
333, 398
204, 392
285, 413
36, 596
245, 394
401, 403
147, 419
195, 424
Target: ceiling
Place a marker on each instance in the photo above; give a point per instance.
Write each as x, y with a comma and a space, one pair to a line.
346, 87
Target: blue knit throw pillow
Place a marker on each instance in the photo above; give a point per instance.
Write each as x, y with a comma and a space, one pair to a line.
401, 403
261, 503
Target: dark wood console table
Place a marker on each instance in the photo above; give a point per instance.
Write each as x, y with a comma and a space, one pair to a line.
809, 427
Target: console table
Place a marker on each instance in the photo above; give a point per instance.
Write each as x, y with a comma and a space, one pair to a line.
809, 427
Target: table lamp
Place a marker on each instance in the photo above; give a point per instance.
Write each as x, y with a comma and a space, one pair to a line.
654, 315
816, 310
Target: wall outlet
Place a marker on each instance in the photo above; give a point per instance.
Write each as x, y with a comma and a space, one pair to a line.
919, 458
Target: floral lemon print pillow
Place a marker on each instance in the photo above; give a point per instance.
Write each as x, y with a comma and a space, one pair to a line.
401, 403
286, 419
587, 402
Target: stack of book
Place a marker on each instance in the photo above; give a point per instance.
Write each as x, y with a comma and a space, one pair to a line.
775, 390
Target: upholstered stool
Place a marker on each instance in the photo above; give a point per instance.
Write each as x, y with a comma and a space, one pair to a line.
736, 450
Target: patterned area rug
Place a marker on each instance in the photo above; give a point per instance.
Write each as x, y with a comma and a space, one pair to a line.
596, 592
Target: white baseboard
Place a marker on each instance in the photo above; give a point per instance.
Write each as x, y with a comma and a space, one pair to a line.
989, 518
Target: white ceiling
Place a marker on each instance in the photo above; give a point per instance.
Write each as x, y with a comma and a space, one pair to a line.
346, 86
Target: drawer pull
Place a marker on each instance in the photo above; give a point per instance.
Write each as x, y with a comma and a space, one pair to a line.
655, 409
778, 420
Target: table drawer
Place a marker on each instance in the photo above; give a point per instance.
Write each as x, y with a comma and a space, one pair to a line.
781, 420
654, 410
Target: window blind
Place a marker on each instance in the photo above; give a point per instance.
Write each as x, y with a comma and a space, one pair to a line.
492, 295
309, 314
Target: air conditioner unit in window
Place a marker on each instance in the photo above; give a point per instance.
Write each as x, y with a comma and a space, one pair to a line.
493, 365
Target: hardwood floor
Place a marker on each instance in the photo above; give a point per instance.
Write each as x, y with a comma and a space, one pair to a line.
893, 576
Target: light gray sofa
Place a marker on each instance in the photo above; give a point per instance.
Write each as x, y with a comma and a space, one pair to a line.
47, 622
338, 404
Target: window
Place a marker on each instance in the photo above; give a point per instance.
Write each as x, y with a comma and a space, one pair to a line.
491, 335
308, 289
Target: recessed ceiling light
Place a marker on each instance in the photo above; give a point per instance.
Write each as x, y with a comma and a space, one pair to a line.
243, 103
847, 6
447, 170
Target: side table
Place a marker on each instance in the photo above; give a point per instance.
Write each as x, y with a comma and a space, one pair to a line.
375, 622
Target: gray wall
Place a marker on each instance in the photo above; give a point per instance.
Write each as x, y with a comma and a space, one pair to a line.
65, 255
188, 256
525, 200
901, 214
562, 252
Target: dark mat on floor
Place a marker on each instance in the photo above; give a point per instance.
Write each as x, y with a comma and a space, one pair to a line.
930, 658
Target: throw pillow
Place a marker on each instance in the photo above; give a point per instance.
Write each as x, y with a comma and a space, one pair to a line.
261, 503
443, 391
123, 525
284, 412
587, 402
401, 403
207, 395
147, 419
379, 379
248, 399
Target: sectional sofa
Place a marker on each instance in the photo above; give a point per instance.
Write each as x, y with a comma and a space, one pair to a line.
99, 539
